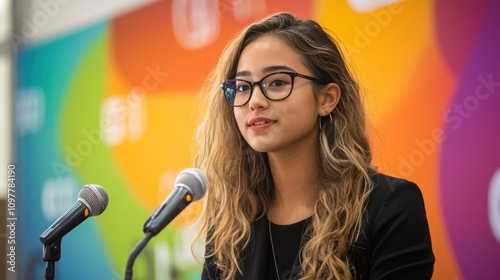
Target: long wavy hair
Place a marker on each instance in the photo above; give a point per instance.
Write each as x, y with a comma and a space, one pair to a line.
241, 185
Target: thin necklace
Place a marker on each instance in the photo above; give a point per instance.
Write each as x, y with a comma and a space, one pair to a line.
272, 248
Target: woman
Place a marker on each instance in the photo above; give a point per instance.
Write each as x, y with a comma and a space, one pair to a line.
292, 191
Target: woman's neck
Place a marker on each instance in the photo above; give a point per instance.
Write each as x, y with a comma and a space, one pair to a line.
296, 192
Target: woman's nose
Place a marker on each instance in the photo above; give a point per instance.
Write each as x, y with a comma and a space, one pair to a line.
258, 100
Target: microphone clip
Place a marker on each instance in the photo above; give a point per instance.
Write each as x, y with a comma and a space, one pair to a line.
51, 254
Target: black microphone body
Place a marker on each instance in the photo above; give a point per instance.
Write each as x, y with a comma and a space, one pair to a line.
75, 215
179, 199
190, 185
92, 201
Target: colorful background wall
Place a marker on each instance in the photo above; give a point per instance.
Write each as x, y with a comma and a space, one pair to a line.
113, 101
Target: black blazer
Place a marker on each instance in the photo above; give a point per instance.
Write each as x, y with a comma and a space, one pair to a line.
395, 241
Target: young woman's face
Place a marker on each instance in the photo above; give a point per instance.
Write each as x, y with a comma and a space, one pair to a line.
273, 126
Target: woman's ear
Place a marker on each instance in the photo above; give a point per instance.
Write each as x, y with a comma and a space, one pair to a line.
328, 99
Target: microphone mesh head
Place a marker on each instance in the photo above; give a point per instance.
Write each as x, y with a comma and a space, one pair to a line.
95, 197
194, 180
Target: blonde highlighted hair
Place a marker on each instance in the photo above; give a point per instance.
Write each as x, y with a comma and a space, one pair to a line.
240, 180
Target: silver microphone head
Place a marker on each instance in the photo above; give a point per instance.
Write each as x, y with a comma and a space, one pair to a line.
95, 198
194, 180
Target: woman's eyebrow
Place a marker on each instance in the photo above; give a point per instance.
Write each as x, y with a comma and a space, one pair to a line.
269, 69
275, 68
243, 73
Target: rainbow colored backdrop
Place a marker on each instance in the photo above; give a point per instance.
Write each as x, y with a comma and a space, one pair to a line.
114, 104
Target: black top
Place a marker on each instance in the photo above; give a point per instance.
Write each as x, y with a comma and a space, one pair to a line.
395, 242
287, 243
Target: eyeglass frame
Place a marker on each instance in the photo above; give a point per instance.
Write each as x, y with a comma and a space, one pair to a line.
259, 83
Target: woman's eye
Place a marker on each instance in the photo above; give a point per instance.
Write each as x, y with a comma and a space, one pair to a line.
242, 88
277, 83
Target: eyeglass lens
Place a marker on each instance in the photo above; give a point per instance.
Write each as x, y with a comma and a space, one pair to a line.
276, 86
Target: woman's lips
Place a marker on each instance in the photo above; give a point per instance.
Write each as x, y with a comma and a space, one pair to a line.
259, 124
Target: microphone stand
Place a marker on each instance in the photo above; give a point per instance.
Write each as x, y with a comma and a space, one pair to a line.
51, 254
135, 252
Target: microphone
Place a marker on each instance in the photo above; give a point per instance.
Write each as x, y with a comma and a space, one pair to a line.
92, 201
190, 185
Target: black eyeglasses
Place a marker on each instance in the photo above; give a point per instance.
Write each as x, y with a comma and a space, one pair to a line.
275, 86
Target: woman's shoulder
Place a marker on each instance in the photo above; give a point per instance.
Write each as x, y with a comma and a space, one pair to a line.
395, 194
388, 183
385, 186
